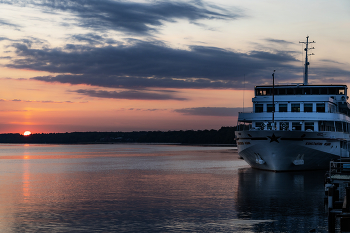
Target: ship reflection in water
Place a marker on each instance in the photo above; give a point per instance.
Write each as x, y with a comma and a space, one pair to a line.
150, 188
294, 200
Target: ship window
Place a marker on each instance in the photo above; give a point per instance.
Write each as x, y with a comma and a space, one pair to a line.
338, 126
309, 126
332, 91
282, 91
290, 91
261, 92
323, 91
320, 107
282, 108
295, 107
259, 108
315, 91
296, 126
269, 107
307, 107
341, 91
307, 91
327, 126
298, 91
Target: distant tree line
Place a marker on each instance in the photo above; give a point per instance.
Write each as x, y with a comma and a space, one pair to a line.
225, 135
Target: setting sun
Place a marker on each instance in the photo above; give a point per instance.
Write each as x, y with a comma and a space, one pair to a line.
27, 133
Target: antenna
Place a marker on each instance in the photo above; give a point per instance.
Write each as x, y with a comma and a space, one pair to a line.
306, 60
243, 91
273, 100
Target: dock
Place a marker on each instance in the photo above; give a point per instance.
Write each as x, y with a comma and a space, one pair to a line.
337, 190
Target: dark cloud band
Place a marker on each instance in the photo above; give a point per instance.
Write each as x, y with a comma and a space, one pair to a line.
146, 64
130, 95
130, 17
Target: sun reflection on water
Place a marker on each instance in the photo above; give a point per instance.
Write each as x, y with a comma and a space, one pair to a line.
26, 176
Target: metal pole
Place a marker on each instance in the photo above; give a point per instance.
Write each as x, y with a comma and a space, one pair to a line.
306, 62
243, 91
273, 100
306, 59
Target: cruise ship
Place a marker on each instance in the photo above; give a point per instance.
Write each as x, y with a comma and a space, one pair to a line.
295, 127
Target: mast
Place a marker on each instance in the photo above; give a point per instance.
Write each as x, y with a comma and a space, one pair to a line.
306, 60
273, 100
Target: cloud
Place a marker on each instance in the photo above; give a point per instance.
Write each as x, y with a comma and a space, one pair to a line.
212, 111
279, 56
2, 38
130, 95
7, 24
331, 61
91, 39
331, 75
278, 41
134, 82
130, 17
7, 57
142, 64
38, 101
96, 60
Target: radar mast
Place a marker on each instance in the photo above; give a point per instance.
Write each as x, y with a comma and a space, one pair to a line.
306, 60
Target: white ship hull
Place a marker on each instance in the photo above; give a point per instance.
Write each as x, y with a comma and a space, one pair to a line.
278, 150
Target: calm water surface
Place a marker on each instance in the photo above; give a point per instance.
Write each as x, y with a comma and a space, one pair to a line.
151, 188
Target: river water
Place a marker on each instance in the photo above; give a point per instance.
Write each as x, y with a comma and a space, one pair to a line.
151, 188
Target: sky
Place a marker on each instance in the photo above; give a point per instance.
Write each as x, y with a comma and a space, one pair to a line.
107, 65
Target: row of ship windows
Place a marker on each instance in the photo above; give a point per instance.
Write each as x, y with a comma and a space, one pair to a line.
295, 107
307, 126
285, 125
301, 91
